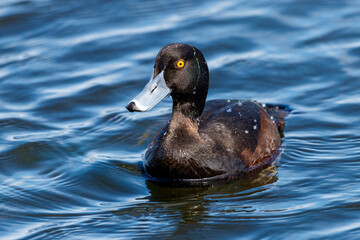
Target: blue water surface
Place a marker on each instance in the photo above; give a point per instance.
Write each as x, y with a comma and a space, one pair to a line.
69, 149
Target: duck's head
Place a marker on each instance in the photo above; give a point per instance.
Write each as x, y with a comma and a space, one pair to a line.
181, 71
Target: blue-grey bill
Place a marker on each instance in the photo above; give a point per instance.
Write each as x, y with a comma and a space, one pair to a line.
154, 91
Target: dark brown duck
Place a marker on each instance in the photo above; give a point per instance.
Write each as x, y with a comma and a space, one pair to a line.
218, 139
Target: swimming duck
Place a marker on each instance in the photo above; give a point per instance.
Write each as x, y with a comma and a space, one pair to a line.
218, 139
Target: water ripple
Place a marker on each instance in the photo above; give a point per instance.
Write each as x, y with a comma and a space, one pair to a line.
69, 150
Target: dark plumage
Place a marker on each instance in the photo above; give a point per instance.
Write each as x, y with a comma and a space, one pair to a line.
219, 140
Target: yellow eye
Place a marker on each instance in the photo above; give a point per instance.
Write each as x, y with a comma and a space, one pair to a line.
180, 64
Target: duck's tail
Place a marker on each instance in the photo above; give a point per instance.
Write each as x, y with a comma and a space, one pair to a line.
278, 114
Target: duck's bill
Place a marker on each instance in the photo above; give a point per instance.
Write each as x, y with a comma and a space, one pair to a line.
151, 95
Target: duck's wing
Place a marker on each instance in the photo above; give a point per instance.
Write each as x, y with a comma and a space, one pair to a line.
232, 124
243, 129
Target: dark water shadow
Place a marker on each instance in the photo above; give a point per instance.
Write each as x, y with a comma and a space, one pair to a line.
195, 203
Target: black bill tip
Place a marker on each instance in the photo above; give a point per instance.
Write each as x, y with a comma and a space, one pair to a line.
131, 106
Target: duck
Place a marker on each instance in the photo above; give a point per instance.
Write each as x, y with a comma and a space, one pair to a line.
204, 140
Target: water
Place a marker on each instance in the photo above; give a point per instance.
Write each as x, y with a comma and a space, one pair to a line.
69, 149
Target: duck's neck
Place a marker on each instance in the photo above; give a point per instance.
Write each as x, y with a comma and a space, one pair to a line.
185, 110
184, 121
190, 106
182, 129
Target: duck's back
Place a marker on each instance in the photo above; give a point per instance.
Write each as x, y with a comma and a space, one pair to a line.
276, 112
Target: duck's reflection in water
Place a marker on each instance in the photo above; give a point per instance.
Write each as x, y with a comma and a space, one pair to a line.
193, 204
